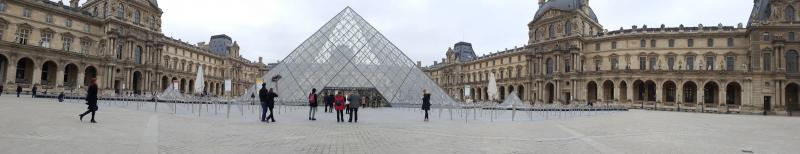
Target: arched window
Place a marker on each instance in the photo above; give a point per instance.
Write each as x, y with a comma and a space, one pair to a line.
568, 29
549, 63
551, 31
791, 61
790, 13
137, 17
121, 11
138, 54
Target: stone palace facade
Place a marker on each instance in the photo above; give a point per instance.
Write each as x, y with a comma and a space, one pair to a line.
59, 47
570, 58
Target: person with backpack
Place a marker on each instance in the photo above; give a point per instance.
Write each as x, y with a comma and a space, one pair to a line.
312, 103
329, 102
339, 106
426, 103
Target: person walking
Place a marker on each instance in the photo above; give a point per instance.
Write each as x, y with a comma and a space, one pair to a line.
426, 103
339, 106
1, 89
34, 91
328, 102
312, 104
267, 98
19, 90
61, 97
91, 100
355, 102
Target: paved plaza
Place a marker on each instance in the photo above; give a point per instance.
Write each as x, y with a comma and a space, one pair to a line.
44, 126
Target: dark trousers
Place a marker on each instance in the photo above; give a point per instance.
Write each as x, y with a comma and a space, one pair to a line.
339, 116
353, 113
328, 107
92, 109
426, 114
33, 95
270, 113
18, 94
264, 109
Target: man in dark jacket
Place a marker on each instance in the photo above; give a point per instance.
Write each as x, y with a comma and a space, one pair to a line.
267, 102
91, 100
355, 102
19, 90
328, 103
34, 91
1, 89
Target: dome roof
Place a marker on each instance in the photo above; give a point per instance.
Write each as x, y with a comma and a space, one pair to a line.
564, 5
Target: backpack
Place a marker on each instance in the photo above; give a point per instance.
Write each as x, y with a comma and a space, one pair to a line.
312, 99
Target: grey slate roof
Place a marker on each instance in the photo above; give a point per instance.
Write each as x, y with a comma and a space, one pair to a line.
564, 5
761, 11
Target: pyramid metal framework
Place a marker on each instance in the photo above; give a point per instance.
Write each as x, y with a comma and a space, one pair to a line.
348, 52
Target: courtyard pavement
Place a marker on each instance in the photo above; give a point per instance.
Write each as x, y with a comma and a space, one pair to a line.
45, 126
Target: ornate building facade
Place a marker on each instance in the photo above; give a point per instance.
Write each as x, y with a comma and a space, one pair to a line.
570, 58
119, 42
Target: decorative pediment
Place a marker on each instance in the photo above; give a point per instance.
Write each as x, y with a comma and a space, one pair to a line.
67, 34
47, 30
86, 38
25, 25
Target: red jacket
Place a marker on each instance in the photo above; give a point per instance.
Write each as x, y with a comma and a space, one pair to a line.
339, 105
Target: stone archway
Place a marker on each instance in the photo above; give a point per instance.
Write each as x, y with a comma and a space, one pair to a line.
3, 67
550, 93
710, 92
164, 83
792, 93
183, 86
623, 91
669, 92
733, 94
521, 92
640, 90
24, 73
502, 93
650, 90
191, 86
689, 92
136, 84
89, 74
608, 90
591, 91
71, 76
48, 75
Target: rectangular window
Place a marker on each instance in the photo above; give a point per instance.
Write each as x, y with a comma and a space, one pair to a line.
48, 18
2, 29
67, 43
710, 63
567, 66
597, 47
671, 43
119, 52
791, 36
653, 43
87, 28
642, 63
597, 65
614, 63
642, 43
690, 43
767, 61
765, 36
68, 23
2, 7
730, 63
671, 63
22, 36
45, 41
690, 63
730, 42
26, 12
614, 45
85, 46
652, 63
710, 42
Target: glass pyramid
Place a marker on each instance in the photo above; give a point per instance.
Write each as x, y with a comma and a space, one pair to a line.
347, 52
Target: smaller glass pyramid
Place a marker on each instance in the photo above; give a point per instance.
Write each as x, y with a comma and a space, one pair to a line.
347, 52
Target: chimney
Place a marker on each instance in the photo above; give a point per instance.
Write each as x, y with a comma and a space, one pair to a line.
260, 59
435, 62
73, 3
419, 63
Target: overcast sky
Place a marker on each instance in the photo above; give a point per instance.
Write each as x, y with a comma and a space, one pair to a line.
423, 29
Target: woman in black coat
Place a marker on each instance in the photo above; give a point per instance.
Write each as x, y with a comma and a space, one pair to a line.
426, 103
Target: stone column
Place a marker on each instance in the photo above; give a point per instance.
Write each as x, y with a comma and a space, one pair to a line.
630, 89
721, 94
617, 91
679, 93
60, 76
11, 71
36, 78
81, 74
659, 93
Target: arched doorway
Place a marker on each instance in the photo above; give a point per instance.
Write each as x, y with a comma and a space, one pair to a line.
640, 90
669, 92
164, 83
136, 84
521, 92
650, 90
710, 92
623, 91
89, 74
591, 91
71, 76
502, 91
608, 90
183, 86
49, 70
191, 86
3, 66
24, 74
733, 94
689, 92
792, 93
478, 94
510, 89
550, 93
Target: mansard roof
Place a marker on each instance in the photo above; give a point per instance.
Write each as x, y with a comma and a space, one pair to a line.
564, 5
